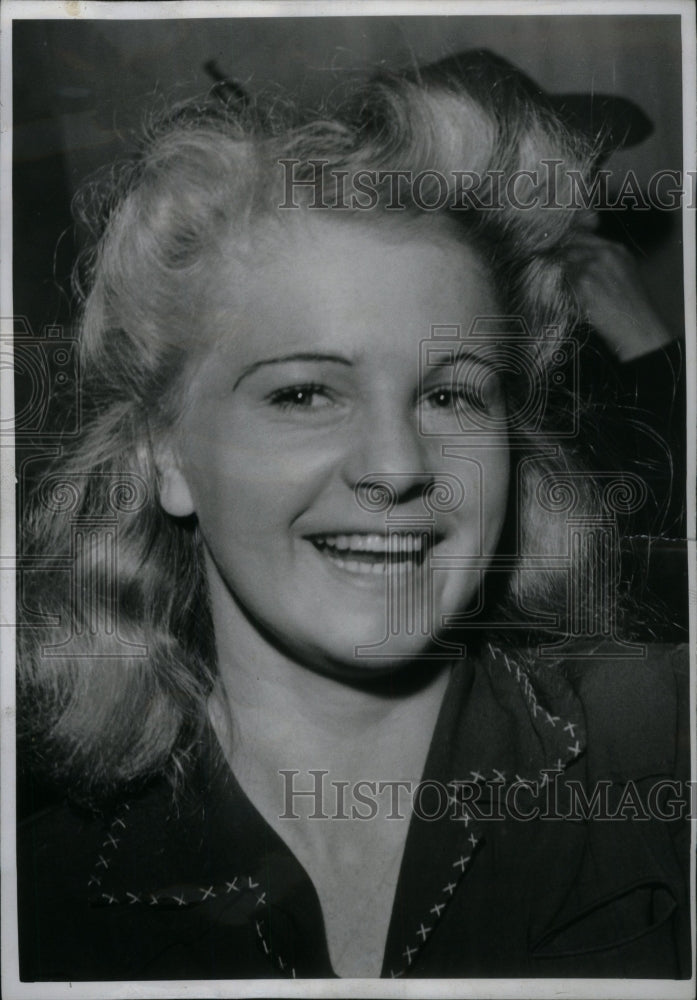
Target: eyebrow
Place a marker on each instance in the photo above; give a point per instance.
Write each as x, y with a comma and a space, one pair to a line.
465, 354
456, 357
283, 359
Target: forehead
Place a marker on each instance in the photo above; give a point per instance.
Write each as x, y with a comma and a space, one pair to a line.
376, 282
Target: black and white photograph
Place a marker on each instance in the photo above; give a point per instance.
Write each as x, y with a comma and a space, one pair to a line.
349, 585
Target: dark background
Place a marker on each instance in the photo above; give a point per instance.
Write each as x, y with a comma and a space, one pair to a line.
81, 89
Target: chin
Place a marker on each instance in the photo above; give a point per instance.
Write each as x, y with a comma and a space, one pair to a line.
372, 660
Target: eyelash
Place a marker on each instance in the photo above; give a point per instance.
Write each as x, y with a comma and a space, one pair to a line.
287, 398
459, 396
300, 397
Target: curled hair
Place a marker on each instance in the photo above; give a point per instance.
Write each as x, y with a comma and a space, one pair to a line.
114, 686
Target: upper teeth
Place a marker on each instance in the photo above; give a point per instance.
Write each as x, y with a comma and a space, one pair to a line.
400, 542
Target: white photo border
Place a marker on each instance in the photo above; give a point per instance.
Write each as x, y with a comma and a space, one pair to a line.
576, 989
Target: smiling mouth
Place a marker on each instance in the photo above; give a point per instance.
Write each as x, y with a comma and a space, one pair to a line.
374, 554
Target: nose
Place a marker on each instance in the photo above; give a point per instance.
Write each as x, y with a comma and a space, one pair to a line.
388, 452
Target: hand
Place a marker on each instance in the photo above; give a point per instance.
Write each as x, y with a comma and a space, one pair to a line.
610, 293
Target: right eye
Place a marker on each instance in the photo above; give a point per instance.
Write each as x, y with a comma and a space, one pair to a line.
305, 396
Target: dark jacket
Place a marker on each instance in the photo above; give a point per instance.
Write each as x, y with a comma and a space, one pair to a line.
524, 874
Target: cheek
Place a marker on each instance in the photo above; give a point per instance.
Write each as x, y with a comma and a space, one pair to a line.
483, 472
499, 478
241, 487
495, 493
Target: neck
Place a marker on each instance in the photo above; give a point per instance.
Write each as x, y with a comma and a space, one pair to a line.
271, 712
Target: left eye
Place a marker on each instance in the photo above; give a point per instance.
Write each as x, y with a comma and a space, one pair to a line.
447, 398
301, 397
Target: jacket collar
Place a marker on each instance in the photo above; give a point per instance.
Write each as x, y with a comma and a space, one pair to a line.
501, 722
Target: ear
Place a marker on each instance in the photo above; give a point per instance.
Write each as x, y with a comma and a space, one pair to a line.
175, 495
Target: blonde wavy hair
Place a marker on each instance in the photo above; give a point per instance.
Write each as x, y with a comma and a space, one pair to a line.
106, 714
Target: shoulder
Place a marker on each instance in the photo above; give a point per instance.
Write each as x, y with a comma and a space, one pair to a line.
55, 849
80, 831
77, 831
636, 710
61, 853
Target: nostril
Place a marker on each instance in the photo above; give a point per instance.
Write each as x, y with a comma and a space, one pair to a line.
436, 493
376, 494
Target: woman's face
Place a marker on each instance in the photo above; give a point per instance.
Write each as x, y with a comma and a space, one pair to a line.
325, 386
